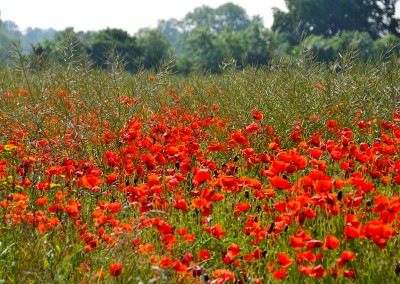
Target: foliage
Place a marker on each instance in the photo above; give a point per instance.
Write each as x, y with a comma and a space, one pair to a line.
109, 43
154, 47
330, 18
209, 39
226, 15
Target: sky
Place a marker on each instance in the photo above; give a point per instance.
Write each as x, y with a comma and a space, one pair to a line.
129, 15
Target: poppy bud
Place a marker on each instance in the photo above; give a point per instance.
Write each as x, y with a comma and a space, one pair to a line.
206, 278
271, 228
198, 270
340, 195
397, 268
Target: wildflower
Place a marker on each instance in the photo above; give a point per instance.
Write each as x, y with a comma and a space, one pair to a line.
239, 138
115, 207
224, 276
279, 182
284, 259
319, 86
116, 269
346, 257
257, 115
204, 255
280, 273
348, 273
41, 201
241, 207
332, 242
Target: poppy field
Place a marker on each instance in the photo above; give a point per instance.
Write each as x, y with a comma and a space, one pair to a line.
288, 173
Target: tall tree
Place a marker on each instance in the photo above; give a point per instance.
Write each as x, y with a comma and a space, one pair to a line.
63, 45
228, 15
170, 28
154, 45
109, 42
331, 17
203, 50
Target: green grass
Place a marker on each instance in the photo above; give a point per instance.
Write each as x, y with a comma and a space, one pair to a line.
66, 110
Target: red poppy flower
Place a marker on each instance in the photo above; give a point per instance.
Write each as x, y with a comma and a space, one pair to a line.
204, 255
279, 182
189, 238
239, 138
216, 231
332, 242
310, 213
279, 274
241, 207
201, 176
348, 273
252, 127
305, 256
116, 269
346, 257
284, 259
115, 207
257, 115
314, 244
296, 242
224, 276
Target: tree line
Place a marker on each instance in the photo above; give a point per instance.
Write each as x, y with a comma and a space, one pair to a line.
208, 38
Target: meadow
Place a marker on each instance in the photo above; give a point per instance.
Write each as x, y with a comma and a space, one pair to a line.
285, 173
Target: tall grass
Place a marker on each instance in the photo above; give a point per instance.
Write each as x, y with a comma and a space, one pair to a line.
52, 112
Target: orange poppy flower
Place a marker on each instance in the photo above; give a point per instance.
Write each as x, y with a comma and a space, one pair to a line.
319, 86
41, 201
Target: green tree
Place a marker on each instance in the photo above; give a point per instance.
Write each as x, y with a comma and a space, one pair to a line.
387, 46
203, 50
328, 49
108, 43
257, 45
170, 29
232, 16
331, 17
233, 45
8, 33
34, 36
228, 15
154, 46
5, 45
63, 46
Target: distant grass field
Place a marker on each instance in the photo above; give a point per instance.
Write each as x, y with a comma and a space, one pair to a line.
289, 172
